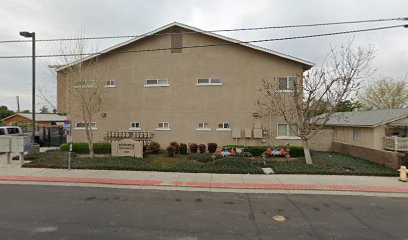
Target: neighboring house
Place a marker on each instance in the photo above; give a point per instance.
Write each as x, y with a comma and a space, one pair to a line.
42, 119
371, 134
190, 95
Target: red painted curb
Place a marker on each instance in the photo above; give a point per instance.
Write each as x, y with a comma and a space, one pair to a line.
206, 184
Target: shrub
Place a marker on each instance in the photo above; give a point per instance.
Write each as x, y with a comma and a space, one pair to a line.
296, 151
176, 146
82, 148
193, 148
171, 150
183, 148
202, 148
256, 150
212, 147
153, 147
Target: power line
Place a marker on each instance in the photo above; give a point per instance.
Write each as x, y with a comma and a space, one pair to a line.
213, 45
216, 31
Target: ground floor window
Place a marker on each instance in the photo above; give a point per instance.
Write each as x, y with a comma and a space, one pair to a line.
287, 130
356, 134
81, 125
135, 126
224, 126
163, 126
203, 126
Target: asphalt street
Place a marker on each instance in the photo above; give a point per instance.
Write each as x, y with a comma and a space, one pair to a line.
61, 212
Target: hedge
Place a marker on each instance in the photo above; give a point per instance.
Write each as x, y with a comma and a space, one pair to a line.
295, 151
82, 148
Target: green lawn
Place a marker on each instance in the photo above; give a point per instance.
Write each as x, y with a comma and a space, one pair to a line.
324, 163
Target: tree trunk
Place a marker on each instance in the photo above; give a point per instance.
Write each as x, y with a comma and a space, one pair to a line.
306, 150
89, 137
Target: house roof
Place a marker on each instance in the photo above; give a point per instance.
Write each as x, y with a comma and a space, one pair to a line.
40, 117
308, 64
370, 118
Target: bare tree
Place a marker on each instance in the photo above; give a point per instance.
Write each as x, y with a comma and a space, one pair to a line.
386, 93
84, 83
338, 79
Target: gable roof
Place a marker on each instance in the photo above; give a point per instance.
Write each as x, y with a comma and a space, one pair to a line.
194, 29
371, 118
40, 117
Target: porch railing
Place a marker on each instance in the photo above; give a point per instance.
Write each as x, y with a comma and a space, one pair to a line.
396, 143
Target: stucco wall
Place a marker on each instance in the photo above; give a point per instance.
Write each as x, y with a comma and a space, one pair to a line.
323, 140
184, 104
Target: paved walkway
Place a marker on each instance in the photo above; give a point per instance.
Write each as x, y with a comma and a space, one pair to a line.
204, 181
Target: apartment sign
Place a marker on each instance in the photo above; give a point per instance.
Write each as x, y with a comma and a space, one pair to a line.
127, 148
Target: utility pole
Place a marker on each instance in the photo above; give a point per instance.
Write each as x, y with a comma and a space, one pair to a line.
18, 104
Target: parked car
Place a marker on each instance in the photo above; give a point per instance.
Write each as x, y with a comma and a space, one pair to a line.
11, 130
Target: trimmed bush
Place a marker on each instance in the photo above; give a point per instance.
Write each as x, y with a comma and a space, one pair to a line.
176, 146
228, 147
82, 148
171, 150
183, 148
202, 148
296, 151
212, 147
193, 148
153, 147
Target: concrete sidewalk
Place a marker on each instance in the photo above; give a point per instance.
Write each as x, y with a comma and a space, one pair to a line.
204, 181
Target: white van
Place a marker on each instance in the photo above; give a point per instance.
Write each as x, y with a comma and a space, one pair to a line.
10, 130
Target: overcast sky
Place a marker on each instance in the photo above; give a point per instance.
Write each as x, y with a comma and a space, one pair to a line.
62, 18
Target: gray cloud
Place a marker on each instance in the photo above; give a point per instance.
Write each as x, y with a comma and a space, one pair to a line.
55, 19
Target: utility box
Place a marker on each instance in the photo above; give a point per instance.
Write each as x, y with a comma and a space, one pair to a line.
257, 125
248, 133
257, 133
236, 133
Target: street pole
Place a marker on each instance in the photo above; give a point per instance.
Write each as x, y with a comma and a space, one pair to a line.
32, 36
33, 96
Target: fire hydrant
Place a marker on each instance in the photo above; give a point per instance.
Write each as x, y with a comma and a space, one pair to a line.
403, 173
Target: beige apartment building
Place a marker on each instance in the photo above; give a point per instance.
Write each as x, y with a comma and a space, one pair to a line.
184, 84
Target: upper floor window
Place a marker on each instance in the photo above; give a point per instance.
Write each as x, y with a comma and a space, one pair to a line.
135, 126
85, 84
163, 126
110, 83
224, 126
157, 83
203, 126
286, 83
209, 81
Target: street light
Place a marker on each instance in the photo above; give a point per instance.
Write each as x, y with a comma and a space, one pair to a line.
32, 35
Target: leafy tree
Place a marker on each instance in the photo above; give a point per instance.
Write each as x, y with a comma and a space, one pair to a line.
348, 106
386, 93
5, 112
44, 109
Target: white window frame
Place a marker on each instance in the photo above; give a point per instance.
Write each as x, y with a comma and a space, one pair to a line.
157, 84
288, 86
110, 83
85, 84
357, 134
163, 128
287, 136
135, 128
210, 81
223, 127
93, 126
202, 127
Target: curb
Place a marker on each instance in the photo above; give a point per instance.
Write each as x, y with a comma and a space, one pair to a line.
349, 188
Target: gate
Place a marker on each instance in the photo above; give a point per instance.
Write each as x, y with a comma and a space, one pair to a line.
52, 136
